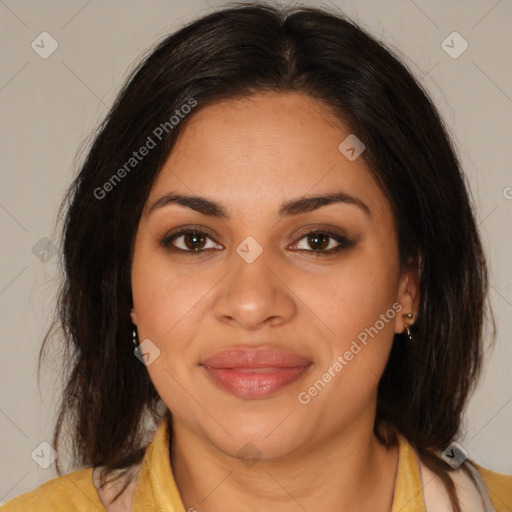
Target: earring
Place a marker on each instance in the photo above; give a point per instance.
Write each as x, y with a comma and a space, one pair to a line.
135, 336
410, 316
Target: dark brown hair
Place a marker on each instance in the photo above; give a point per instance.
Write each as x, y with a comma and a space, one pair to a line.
232, 53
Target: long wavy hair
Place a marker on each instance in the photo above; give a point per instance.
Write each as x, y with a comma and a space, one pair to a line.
232, 53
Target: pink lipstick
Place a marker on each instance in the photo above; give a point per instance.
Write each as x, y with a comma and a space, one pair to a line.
255, 373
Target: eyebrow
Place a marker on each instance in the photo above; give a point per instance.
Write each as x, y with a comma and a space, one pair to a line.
296, 206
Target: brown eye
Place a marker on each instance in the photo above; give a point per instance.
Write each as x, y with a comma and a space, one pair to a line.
323, 242
318, 241
192, 241
196, 242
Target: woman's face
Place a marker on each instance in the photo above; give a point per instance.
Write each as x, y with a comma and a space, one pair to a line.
258, 331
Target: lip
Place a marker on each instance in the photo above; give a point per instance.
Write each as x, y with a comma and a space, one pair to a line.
255, 373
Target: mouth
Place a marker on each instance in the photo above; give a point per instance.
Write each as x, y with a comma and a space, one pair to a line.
255, 373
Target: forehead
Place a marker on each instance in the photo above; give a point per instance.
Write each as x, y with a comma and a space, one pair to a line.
262, 149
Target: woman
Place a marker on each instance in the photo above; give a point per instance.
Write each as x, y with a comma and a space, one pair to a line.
274, 215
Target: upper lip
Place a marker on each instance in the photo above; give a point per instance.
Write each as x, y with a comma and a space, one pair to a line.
255, 358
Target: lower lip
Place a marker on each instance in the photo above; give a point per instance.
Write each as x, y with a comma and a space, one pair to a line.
253, 383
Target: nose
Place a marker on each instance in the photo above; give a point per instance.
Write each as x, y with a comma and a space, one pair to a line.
254, 295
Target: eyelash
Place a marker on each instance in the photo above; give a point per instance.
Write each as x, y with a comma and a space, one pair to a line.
344, 243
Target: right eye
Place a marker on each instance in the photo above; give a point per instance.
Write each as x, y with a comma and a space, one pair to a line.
188, 241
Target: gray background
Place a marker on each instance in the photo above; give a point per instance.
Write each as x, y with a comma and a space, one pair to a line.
50, 106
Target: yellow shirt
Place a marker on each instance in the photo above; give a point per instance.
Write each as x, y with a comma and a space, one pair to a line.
156, 490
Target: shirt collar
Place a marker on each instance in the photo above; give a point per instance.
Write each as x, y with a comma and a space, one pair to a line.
408, 495
156, 489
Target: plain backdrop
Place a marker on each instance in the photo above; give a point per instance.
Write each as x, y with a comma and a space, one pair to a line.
50, 106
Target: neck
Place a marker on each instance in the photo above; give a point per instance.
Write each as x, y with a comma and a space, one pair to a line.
350, 471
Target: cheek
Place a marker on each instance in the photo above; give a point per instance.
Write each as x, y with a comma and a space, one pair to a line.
352, 296
361, 312
356, 303
165, 300
358, 309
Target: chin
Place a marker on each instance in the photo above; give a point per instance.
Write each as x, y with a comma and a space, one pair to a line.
267, 435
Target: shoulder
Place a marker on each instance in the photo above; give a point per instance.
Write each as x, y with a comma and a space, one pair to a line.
71, 492
499, 487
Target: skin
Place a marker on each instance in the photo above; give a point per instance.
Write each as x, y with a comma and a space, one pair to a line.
251, 155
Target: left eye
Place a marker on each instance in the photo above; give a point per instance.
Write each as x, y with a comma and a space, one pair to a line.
323, 242
196, 242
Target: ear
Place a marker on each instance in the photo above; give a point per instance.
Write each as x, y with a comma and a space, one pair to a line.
133, 316
408, 293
